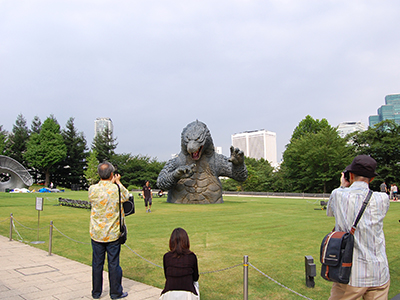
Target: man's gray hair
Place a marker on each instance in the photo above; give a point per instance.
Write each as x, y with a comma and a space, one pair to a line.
105, 169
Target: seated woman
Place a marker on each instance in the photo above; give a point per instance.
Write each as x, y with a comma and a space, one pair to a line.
180, 269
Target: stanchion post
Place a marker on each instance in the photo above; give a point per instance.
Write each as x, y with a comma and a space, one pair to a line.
245, 277
11, 226
50, 237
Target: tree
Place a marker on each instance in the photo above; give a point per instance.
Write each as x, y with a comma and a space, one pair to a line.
70, 170
259, 177
309, 125
91, 174
314, 159
381, 142
135, 170
46, 149
104, 144
17, 141
3, 140
36, 125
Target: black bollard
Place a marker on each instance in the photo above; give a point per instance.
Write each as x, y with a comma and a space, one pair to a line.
311, 271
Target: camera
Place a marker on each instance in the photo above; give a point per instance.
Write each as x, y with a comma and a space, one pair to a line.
346, 175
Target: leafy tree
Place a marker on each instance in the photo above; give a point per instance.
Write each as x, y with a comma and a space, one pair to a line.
70, 170
308, 125
104, 144
91, 174
17, 140
46, 149
381, 142
259, 177
3, 140
135, 170
314, 159
36, 125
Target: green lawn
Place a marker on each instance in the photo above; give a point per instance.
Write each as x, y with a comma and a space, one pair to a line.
276, 234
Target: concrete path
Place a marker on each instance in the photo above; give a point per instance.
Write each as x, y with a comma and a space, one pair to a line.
30, 273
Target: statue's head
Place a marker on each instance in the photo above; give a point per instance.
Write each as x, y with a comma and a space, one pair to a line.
196, 140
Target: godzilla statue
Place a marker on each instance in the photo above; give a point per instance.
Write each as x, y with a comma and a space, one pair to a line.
192, 176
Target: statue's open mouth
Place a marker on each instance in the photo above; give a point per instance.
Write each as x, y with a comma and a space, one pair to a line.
196, 155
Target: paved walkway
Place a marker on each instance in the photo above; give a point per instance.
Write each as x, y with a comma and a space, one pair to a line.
30, 273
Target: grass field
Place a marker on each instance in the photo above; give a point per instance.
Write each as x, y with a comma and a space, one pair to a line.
276, 234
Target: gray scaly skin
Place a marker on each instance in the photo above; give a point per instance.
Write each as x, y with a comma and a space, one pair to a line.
192, 177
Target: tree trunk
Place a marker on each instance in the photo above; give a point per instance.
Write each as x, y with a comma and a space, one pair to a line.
47, 180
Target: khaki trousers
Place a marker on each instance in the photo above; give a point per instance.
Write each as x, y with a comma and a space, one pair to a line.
342, 291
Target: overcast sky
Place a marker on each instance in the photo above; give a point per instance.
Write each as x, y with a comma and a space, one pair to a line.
155, 66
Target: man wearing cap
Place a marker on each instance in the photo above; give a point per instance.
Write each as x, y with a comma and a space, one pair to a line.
370, 270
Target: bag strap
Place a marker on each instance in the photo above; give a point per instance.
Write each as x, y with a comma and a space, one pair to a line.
360, 213
119, 200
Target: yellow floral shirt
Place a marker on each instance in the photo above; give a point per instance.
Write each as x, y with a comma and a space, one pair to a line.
104, 218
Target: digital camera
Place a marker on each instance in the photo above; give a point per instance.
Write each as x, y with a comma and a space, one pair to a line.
346, 175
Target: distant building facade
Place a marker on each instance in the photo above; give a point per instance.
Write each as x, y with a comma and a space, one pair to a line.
100, 124
389, 111
345, 128
257, 144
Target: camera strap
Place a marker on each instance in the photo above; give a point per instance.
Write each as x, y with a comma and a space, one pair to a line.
119, 200
360, 213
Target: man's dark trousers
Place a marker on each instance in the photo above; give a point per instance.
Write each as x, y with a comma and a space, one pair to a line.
113, 250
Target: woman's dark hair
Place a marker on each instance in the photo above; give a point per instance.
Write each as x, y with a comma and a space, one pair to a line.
179, 242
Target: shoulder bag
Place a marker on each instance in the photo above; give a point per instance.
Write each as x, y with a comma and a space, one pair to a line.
336, 253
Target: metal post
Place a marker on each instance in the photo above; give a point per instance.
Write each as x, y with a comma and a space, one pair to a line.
245, 277
50, 237
11, 226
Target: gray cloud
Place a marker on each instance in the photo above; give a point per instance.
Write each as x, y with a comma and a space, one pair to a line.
155, 66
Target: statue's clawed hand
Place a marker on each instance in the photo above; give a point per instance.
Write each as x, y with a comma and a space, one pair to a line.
184, 171
237, 156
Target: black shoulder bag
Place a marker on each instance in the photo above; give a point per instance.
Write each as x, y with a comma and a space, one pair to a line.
336, 253
122, 228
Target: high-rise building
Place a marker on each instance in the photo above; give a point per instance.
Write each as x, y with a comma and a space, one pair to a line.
345, 128
389, 111
100, 124
257, 144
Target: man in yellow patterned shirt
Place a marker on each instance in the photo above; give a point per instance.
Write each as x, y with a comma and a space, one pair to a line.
105, 230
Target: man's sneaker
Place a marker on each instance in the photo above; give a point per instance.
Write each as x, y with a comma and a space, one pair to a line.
149, 210
123, 295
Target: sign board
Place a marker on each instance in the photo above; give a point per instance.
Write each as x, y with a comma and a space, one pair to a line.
39, 203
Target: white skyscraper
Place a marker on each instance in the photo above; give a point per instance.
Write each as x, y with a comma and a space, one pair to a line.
100, 124
257, 144
348, 127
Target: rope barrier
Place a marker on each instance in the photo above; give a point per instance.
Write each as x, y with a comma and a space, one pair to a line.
143, 257
28, 227
202, 273
228, 268
5, 220
85, 243
21, 239
270, 278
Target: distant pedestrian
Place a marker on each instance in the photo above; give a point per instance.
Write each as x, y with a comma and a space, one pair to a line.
391, 191
147, 196
384, 187
395, 192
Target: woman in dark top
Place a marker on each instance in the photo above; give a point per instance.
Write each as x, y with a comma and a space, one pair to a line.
180, 267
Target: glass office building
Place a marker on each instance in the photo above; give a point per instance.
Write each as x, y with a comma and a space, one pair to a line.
389, 111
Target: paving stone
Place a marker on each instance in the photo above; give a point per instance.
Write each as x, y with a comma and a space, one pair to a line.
28, 273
